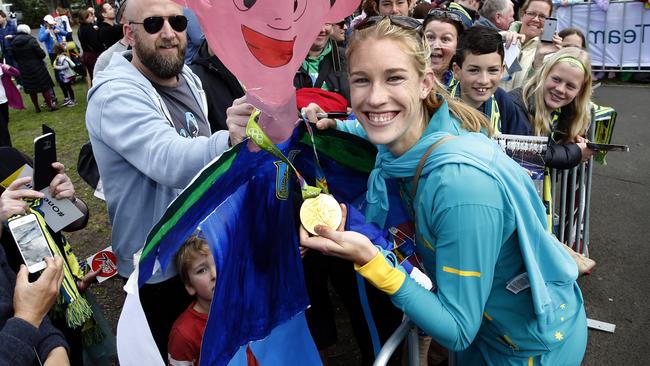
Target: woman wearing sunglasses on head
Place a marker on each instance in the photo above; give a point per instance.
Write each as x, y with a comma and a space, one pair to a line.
505, 289
442, 29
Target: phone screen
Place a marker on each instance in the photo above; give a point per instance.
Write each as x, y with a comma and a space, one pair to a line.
550, 26
31, 241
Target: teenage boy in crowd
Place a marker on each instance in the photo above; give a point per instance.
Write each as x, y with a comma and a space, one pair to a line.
198, 271
325, 66
478, 69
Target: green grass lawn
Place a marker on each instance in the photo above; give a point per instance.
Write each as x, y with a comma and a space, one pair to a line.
70, 127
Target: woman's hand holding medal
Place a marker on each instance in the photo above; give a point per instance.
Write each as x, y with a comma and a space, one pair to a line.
348, 245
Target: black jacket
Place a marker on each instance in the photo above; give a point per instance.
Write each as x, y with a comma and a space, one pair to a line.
559, 156
29, 56
109, 34
89, 38
220, 85
333, 70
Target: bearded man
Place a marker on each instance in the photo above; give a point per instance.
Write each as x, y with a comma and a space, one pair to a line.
147, 122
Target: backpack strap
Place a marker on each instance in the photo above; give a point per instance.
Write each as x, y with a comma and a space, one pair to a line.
423, 159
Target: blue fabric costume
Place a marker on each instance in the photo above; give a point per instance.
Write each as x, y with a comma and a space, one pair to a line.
480, 224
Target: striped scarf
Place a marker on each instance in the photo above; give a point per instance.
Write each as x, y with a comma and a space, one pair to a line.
70, 303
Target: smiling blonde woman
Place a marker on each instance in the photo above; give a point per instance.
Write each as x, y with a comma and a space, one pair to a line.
505, 288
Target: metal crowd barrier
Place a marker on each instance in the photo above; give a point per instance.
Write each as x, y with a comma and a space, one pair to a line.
572, 202
622, 36
407, 328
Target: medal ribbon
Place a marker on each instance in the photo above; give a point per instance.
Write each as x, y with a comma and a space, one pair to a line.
259, 137
321, 182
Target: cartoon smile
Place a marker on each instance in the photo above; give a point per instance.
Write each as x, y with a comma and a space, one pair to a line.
270, 52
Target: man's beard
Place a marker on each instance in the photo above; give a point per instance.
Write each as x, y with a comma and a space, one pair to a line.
162, 67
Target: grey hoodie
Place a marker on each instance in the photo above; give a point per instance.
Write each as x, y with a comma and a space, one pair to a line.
143, 162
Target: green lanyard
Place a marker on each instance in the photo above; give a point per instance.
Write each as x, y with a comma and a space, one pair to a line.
259, 137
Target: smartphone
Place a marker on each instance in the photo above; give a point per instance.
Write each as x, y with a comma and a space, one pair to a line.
607, 147
44, 156
550, 27
31, 242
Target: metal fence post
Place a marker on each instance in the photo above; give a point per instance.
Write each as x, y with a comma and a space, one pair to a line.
563, 187
393, 342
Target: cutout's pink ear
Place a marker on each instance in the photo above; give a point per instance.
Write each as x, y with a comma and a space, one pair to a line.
341, 9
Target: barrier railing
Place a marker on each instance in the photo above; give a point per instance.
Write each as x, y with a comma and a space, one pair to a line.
407, 328
617, 38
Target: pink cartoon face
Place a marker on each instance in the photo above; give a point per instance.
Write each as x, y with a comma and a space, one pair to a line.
263, 42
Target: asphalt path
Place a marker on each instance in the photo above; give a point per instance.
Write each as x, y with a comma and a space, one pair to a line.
618, 289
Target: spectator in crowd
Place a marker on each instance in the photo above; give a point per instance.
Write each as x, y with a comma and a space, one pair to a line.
391, 7
195, 35
338, 32
467, 9
557, 101
109, 31
9, 97
478, 67
26, 51
198, 272
26, 332
421, 10
441, 29
220, 85
147, 121
533, 14
89, 39
62, 19
91, 10
497, 14
461, 179
65, 75
573, 37
325, 66
119, 46
7, 33
383, 7
50, 34
19, 199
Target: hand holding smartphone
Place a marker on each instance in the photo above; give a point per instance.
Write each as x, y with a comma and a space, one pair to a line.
44, 156
607, 147
31, 242
550, 27
33, 300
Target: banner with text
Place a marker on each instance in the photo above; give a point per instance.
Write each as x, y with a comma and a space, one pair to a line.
616, 38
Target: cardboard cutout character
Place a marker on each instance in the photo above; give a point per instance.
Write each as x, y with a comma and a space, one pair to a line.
263, 43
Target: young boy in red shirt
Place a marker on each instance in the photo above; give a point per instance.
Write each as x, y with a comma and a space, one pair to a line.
198, 271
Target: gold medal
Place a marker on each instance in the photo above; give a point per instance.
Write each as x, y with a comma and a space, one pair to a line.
320, 210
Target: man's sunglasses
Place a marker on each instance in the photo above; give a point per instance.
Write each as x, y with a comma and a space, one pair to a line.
398, 20
444, 14
154, 24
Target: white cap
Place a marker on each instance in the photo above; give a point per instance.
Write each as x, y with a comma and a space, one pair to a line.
23, 28
50, 19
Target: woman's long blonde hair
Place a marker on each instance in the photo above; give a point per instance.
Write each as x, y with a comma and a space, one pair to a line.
471, 119
576, 116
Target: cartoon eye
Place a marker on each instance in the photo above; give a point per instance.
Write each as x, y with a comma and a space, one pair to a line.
299, 7
244, 5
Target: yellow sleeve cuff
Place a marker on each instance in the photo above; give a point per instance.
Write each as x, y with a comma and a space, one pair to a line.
381, 274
